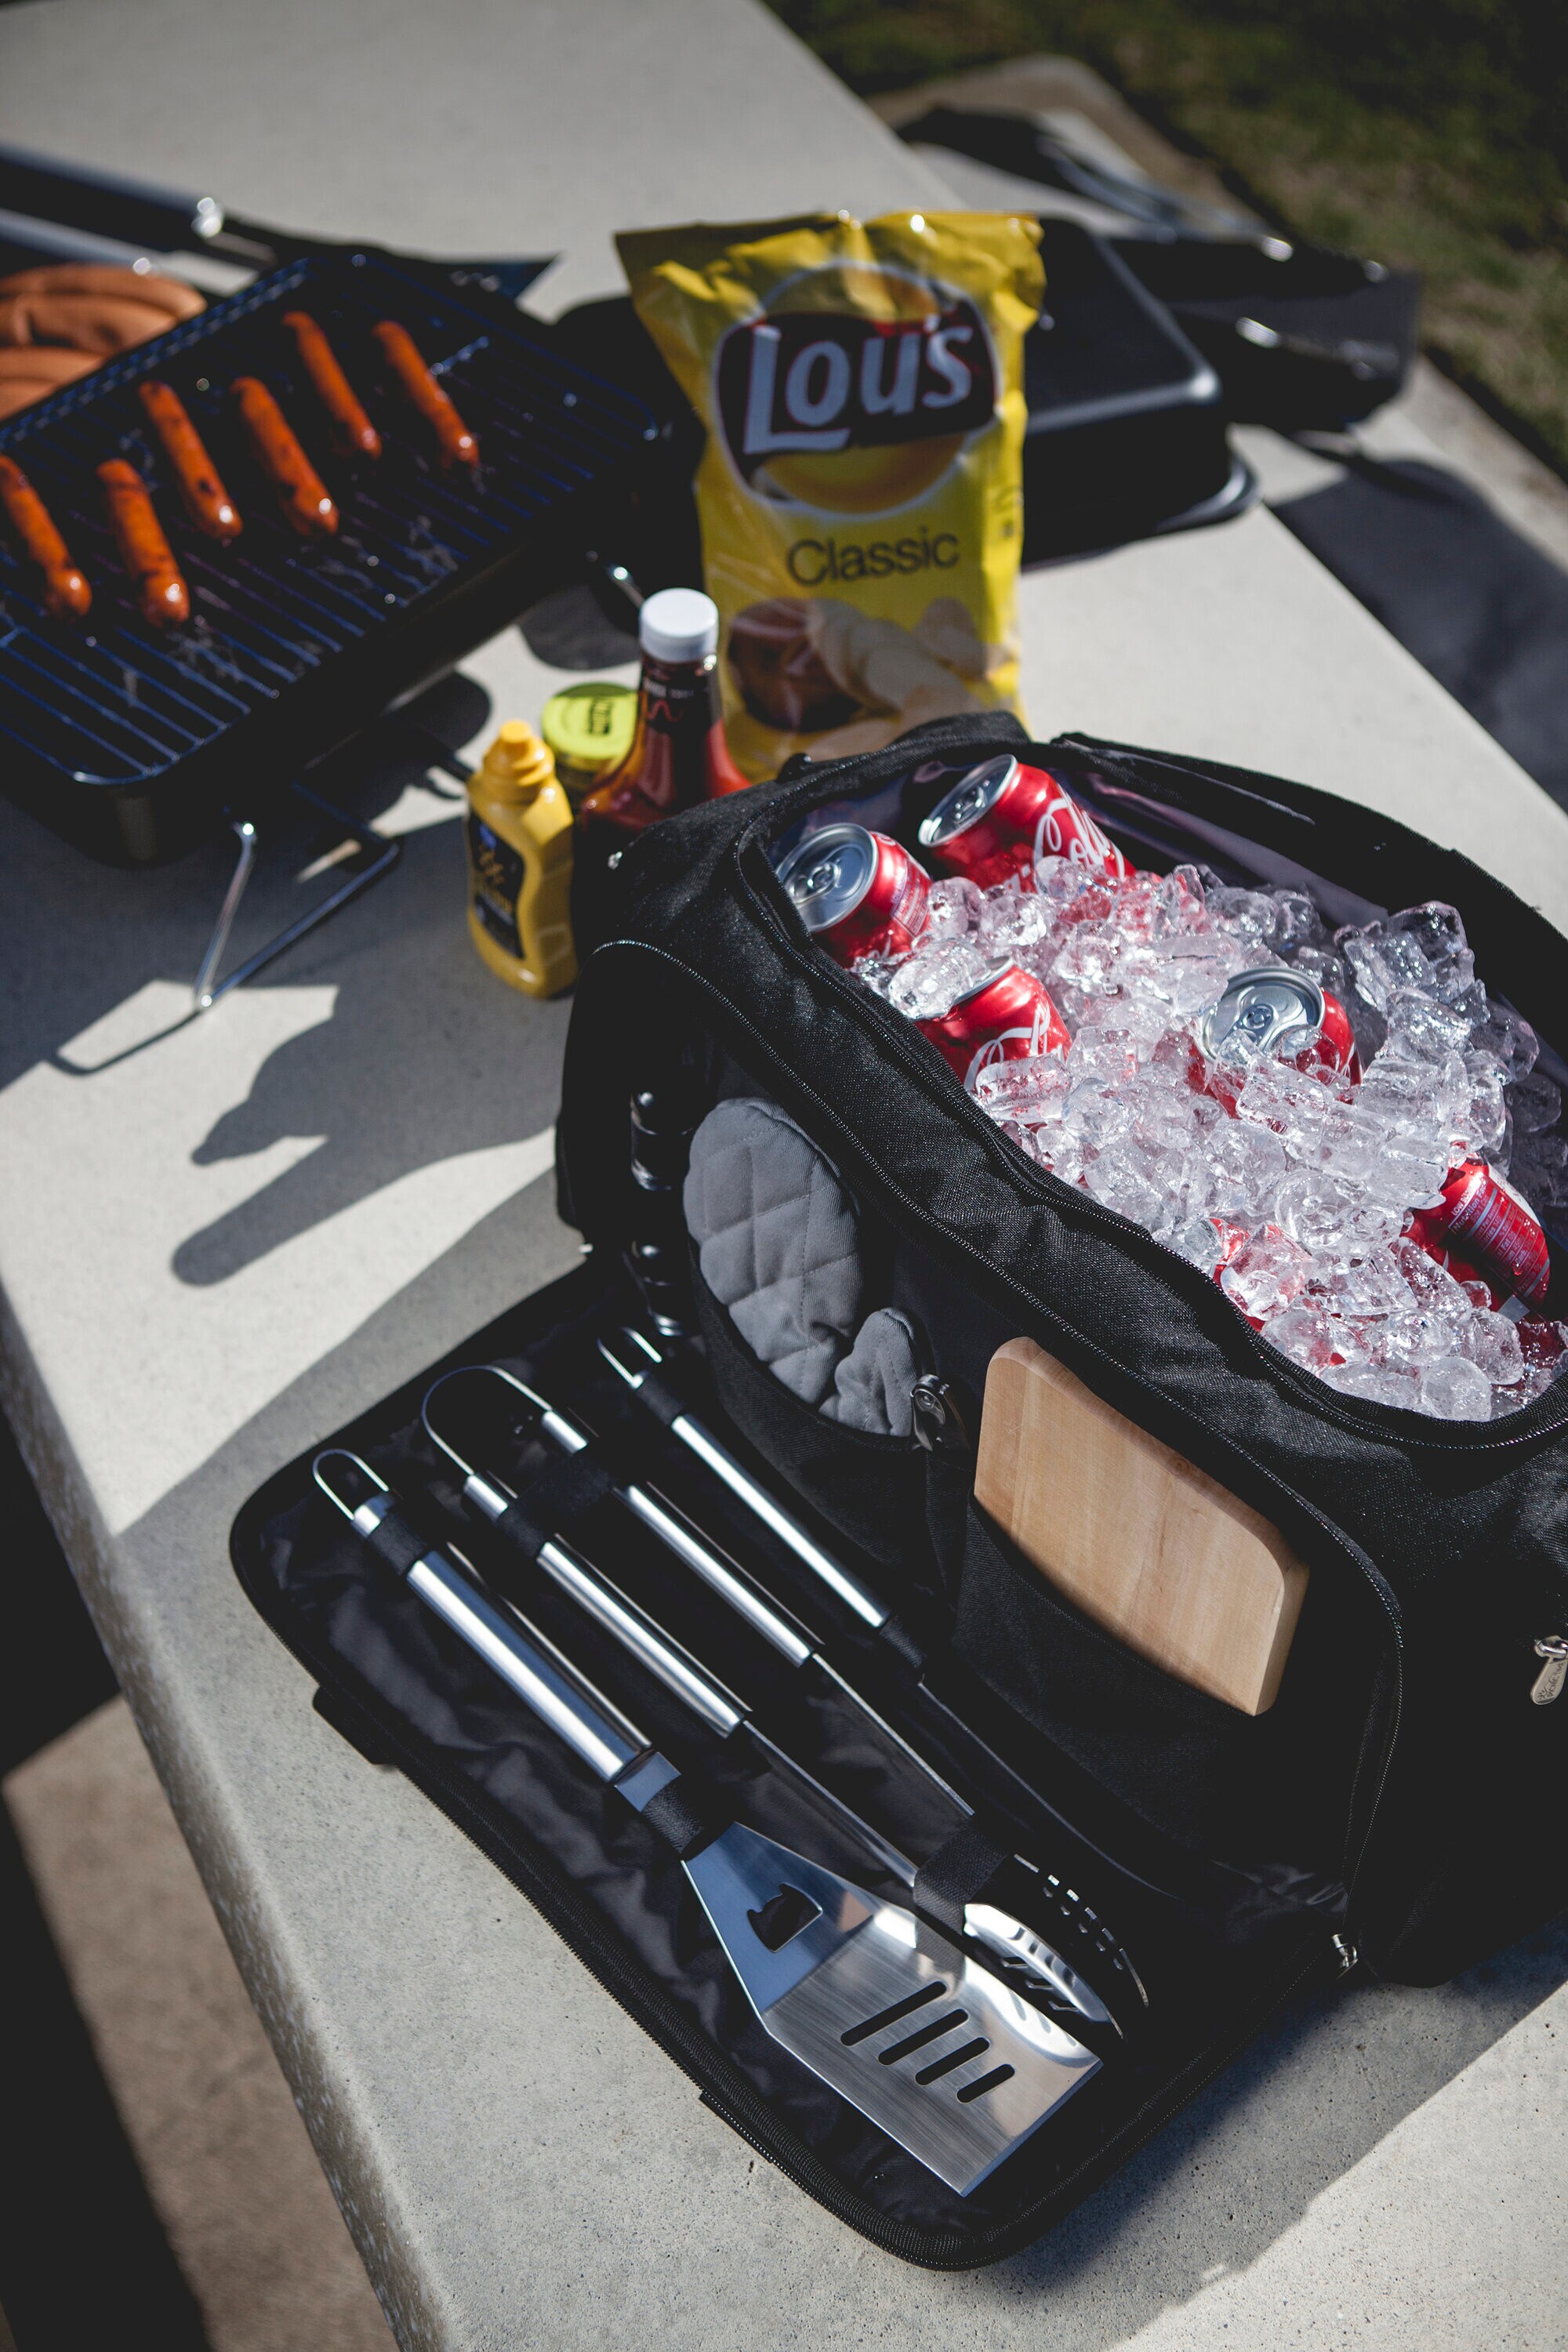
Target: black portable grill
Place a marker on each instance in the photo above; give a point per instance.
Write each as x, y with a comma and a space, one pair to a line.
134, 742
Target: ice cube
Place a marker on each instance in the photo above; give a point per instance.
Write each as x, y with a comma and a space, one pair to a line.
1373, 1384
1382, 962
1440, 935
1456, 1389
1433, 1287
1292, 1103
1421, 1028
1105, 1055
1197, 1241
926, 986
1509, 1038
1030, 1091
953, 908
1059, 881
1482, 1130
1095, 1114
1329, 1218
1247, 1165
1321, 964
1179, 907
1431, 1096
1307, 1333
1536, 1103
1013, 921
1120, 1180
1245, 914
1265, 1276
1491, 1341
1084, 959
1297, 925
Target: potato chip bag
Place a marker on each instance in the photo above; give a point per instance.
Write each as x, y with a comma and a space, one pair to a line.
860, 495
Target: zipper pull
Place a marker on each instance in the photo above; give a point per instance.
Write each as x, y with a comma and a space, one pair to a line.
939, 1423
1548, 1684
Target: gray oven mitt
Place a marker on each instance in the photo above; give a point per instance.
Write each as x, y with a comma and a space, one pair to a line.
775, 1242
777, 1246
872, 1387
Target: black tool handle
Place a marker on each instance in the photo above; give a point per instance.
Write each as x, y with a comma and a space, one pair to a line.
135, 211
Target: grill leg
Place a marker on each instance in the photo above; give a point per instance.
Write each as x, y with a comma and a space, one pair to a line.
381, 855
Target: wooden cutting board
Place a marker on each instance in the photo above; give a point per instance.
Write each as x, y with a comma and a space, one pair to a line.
1162, 1556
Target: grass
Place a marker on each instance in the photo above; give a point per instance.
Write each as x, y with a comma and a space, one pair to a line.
1432, 133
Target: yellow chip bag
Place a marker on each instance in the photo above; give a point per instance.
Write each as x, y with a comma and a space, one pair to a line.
860, 494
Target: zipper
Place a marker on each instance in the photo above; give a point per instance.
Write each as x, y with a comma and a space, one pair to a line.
1547, 1686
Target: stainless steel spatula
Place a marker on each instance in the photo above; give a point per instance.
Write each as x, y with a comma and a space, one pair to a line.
917, 2036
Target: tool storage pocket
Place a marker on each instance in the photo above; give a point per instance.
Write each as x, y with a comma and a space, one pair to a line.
871, 1489
1249, 1789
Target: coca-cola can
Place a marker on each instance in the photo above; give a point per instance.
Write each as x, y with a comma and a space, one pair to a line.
1482, 1230
1004, 1017
1275, 1011
1001, 818
859, 893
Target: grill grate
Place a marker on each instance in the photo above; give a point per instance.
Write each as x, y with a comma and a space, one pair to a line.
129, 740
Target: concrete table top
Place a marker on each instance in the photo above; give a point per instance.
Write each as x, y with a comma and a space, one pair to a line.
220, 1237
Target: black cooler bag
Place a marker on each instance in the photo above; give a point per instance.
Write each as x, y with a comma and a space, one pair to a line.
1393, 1808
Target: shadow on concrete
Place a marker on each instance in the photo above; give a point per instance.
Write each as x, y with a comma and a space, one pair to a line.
432, 1064
97, 934
424, 1056
1231, 2174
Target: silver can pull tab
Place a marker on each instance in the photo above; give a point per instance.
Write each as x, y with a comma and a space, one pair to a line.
1548, 1684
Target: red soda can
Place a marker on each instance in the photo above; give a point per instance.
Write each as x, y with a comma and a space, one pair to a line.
1005, 1017
1002, 818
858, 893
1271, 1009
1482, 1230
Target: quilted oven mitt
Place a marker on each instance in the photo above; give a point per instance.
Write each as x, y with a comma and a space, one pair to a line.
778, 1247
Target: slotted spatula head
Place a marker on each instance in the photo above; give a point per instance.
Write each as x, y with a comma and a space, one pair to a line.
933, 2049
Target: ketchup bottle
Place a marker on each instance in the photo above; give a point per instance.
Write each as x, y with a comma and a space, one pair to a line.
679, 755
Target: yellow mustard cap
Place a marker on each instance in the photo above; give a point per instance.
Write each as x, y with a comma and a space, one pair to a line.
517, 762
589, 727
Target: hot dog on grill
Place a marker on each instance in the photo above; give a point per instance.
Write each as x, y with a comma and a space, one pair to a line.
207, 503
66, 591
305, 498
353, 431
457, 444
165, 600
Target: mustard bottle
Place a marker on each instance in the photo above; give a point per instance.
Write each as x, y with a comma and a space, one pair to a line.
518, 834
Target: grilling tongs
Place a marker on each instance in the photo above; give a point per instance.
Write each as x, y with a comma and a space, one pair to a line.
919, 2038
1031, 1962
